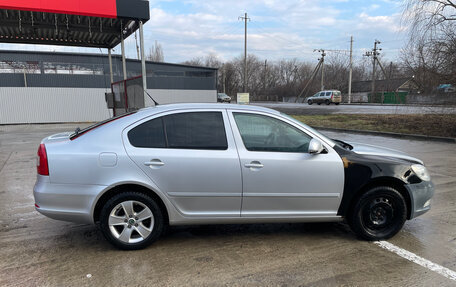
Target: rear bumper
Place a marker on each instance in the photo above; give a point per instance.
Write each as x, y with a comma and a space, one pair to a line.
420, 195
67, 202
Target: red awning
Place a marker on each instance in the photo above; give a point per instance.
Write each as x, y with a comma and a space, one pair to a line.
95, 8
84, 23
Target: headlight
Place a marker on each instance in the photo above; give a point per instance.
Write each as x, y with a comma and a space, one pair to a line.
421, 172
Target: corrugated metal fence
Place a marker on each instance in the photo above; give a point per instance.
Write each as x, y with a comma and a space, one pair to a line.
58, 105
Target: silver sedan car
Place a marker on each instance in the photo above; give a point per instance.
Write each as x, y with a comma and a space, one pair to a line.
217, 163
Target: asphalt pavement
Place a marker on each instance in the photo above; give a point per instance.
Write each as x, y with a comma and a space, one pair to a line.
38, 251
303, 109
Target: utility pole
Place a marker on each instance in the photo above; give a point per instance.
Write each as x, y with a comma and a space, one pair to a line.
264, 78
314, 73
137, 47
351, 69
374, 53
245, 18
224, 79
322, 67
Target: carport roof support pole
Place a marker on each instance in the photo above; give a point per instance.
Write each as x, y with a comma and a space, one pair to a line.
143, 60
110, 66
124, 64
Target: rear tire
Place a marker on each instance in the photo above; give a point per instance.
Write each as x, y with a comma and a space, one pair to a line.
378, 214
131, 220
337, 104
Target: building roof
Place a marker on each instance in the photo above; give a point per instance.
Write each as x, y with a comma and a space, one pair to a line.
83, 23
380, 85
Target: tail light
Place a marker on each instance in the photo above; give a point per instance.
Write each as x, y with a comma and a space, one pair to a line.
42, 162
332, 96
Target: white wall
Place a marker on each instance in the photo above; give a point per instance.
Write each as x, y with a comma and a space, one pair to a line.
58, 105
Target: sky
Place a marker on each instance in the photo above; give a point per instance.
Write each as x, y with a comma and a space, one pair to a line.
278, 29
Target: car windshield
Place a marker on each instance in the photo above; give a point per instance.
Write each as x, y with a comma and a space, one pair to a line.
319, 134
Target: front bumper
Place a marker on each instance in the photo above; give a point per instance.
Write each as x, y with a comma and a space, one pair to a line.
420, 195
67, 202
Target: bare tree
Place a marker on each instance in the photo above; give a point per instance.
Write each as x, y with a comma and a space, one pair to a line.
156, 53
430, 53
426, 16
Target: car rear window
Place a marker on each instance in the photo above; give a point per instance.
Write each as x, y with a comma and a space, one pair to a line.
79, 132
193, 130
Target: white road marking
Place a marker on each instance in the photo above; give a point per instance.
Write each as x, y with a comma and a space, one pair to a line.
450, 274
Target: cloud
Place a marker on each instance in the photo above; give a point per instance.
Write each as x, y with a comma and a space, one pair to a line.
278, 29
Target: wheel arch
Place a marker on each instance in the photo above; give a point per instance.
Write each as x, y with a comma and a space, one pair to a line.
383, 181
129, 187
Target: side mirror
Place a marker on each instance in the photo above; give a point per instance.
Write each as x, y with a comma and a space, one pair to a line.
315, 147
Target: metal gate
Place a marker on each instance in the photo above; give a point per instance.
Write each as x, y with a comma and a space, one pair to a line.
126, 96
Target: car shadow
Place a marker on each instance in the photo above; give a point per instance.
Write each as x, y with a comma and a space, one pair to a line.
90, 238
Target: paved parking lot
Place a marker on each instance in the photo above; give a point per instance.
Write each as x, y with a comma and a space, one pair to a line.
37, 251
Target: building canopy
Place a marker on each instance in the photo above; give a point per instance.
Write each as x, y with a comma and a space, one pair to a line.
83, 23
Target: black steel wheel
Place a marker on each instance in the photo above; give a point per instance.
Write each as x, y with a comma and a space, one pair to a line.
309, 102
131, 220
378, 214
327, 102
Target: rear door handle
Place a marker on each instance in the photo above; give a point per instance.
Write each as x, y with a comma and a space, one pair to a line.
254, 164
154, 162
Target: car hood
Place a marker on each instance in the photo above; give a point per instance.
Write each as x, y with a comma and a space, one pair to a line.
366, 149
57, 137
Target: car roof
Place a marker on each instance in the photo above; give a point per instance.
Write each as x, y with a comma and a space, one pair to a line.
182, 106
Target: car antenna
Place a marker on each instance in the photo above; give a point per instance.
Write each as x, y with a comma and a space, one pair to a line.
155, 102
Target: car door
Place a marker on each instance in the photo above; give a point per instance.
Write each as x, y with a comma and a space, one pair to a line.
192, 158
280, 177
319, 98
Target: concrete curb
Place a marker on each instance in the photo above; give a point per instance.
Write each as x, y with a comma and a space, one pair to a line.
389, 134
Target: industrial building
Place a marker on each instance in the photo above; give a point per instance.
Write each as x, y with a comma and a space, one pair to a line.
50, 87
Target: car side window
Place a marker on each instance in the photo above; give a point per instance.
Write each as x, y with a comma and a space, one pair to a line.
263, 133
193, 130
322, 94
328, 94
196, 130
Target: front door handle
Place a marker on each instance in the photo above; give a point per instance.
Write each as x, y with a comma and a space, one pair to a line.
254, 164
154, 163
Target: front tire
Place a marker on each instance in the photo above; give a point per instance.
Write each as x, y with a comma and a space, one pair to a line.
309, 102
378, 214
131, 220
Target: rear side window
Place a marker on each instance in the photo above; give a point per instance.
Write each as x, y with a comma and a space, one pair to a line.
148, 135
198, 130
328, 94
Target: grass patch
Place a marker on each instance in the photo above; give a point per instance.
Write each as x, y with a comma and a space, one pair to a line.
442, 125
